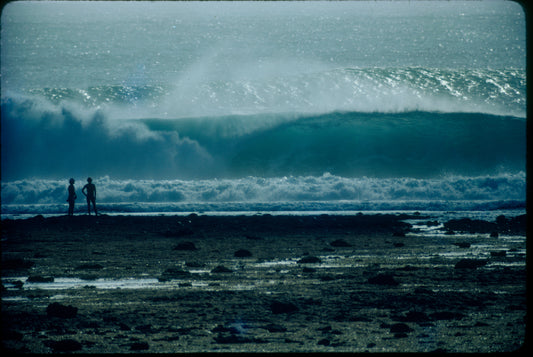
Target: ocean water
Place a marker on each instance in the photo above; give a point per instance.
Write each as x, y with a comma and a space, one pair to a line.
293, 107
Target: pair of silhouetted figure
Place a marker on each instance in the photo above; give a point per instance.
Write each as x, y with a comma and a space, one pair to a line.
89, 190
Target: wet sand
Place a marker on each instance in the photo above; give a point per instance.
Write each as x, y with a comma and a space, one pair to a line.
365, 283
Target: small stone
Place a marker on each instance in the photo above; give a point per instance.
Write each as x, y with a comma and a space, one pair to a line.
383, 279
185, 246
221, 269
242, 253
309, 260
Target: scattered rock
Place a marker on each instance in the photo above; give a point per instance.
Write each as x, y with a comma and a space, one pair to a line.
309, 260
470, 264
278, 307
242, 253
221, 269
185, 246
40, 279
383, 279
55, 309
340, 243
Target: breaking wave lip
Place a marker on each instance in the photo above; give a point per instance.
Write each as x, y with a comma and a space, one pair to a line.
390, 90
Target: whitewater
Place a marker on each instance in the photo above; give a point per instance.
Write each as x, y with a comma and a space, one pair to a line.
245, 108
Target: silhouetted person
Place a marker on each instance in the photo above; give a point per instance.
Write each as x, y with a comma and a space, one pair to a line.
71, 197
89, 190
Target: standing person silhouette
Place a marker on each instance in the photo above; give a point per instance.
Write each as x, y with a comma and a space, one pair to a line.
71, 197
89, 190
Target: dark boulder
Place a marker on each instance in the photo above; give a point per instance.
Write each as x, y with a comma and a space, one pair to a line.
400, 328
221, 269
383, 279
185, 246
340, 243
139, 346
278, 307
470, 264
309, 260
56, 309
242, 253
40, 279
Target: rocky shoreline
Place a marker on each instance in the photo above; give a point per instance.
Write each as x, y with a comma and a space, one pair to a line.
363, 283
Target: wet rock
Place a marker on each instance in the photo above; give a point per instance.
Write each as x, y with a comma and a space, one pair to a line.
278, 307
178, 233
340, 243
223, 339
221, 328
221, 269
470, 264
398, 234
500, 253
56, 309
242, 253
383, 279
324, 342
139, 346
414, 316
173, 273
275, 328
446, 315
185, 246
399, 244
194, 264
462, 244
40, 279
308, 270
253, 237
68, 345
470, 225
494, 234
89, 266
309, 260
400, 328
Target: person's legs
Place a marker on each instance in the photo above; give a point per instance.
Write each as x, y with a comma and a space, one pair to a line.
94, 206
89, 206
